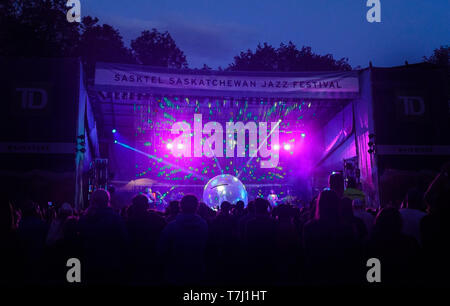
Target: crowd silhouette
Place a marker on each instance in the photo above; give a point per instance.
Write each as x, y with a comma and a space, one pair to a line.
325, 243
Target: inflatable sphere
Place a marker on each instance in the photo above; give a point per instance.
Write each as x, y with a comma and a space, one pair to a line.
224, 187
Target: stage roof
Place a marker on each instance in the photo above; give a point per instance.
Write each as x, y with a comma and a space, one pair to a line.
119, 88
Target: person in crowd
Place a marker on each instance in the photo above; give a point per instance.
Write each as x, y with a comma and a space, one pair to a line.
288, 244
325, 243
206, 212
182, 245
398, 253
435, 229
103, 235
11, 255
61, 243
336, 183
32, 232
347, 219
411, 213
260, 243
55, 232
172, 210
144, 226
239, 209
224, 221
242, 222
222, 245
328, 244
359, 211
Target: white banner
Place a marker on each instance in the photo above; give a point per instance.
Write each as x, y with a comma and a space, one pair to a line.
126, 76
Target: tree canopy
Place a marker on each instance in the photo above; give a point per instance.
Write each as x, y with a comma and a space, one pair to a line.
440, 56
36, 28
158, 49
100, 43
286, 58
39, 28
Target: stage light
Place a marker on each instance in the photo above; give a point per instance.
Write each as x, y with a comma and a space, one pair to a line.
287, 147
303, 135
115, 141
114, 131
276, 147
180, 146
169, 146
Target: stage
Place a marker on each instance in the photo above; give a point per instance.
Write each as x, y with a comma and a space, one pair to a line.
180, 128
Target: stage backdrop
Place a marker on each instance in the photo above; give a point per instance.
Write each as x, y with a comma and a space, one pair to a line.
268, 146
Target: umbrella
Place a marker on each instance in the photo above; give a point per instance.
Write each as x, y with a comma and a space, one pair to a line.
142, 182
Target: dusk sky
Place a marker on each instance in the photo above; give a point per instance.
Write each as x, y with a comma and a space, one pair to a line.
212, 32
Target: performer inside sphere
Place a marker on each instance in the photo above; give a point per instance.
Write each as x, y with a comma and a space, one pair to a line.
272, 198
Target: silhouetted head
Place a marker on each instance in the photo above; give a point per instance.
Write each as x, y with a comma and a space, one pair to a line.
225, 207
327, 206
189, 204
240, 205
100, 198
261, 206
413, 200
388, 222
336, 183
140, 203
65, 210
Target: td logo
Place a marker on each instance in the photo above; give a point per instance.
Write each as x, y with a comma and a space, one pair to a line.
413, 105
33, 98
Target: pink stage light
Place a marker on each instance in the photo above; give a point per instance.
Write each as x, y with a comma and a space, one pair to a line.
169, 146
180, 146
276, 147
287, 147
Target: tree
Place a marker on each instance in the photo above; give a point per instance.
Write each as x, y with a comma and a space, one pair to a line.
101, 43
36, 28
286, 58
158, 49
440, 56
206, 68
263, 59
